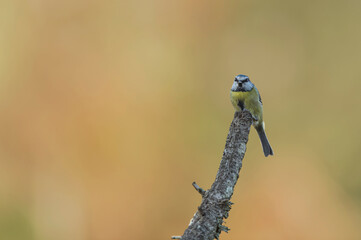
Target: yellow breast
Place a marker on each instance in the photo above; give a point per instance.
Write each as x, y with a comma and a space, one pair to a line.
236, 97
250, 101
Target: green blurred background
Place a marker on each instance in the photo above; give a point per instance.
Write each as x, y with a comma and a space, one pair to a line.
109, 110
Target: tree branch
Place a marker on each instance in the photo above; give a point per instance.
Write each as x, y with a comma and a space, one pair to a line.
207, 221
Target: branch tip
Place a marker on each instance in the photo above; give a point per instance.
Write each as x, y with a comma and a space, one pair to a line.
199, 189
225, 229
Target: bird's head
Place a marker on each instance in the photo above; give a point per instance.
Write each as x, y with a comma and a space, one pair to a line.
242, 84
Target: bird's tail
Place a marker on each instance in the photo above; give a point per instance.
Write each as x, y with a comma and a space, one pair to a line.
267, 150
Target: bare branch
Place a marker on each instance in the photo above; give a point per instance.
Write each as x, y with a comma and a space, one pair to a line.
207, 221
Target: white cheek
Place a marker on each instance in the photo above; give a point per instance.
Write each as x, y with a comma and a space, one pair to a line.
234, 86
248, 86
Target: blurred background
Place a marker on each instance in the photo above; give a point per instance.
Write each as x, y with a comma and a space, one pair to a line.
109, 110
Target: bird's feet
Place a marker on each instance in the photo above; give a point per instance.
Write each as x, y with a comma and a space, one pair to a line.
255, 119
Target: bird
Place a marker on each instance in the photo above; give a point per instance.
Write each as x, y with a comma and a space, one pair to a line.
244, 95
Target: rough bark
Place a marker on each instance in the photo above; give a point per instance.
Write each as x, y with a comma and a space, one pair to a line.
207, 221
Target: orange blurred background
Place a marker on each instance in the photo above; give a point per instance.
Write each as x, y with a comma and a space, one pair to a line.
109, 110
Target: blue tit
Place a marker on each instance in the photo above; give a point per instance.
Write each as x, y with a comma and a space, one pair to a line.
244, 95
